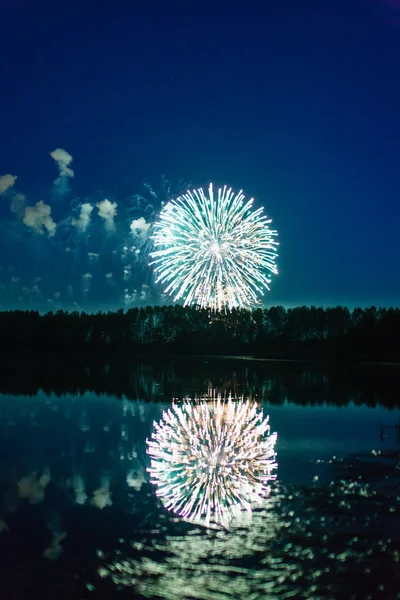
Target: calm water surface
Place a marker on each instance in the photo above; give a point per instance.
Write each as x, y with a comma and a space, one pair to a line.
80, 519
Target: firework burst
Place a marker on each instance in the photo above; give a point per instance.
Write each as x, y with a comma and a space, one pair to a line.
214, 250
213, 460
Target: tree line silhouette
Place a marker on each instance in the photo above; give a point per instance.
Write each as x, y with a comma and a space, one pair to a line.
277, 382
296, 333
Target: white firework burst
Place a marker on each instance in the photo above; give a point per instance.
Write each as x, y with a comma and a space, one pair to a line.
214, 251
213, 460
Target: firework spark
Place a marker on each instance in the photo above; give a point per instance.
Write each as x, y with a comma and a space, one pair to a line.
214, 251
213, 460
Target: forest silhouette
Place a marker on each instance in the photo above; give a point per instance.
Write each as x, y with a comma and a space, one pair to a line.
161, 380
300, 333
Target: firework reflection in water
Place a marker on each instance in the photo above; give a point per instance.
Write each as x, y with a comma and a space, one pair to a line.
212, 460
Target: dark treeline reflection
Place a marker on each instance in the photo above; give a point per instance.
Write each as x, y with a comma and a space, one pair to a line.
303, 332
271, 381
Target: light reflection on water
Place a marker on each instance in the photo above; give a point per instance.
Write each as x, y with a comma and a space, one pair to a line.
322, 542
74, 473
212, 460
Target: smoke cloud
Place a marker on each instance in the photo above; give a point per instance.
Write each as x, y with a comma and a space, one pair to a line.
18, 205
7, 182
63, 160
39, 218
139, 227
86, 280
107, 211
82, 222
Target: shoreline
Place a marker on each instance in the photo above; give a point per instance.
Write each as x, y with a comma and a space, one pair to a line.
71, 359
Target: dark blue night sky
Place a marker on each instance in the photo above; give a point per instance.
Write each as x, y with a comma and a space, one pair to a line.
295, 102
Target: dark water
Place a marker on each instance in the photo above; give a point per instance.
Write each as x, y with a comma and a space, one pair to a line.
80, 518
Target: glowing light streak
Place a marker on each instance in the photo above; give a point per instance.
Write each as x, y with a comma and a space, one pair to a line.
214, 251
211, 461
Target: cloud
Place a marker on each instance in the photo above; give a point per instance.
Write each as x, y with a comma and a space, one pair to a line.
127, 272
139, 227
83, 220
101, 498
109, 279
18, 200
18, 204
7, 182
39, 218
32, 486
86, 279
54, 550
63, 160
78, 485
107, 211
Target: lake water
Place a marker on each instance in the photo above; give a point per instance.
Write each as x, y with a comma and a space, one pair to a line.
80, 518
